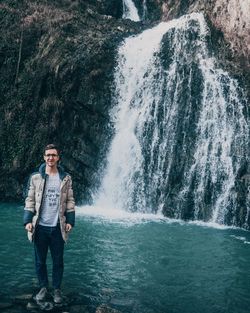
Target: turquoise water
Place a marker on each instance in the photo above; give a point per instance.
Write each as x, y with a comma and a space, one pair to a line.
138, 265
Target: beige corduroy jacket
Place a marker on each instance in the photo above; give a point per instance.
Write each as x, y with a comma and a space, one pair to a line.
34, 199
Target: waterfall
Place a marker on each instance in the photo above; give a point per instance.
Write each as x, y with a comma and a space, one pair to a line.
181, 136
130, 11
145, 10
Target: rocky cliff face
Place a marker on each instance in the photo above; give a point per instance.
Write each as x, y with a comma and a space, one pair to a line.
57, 60
231, 17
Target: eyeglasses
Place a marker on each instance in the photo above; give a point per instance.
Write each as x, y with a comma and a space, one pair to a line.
51, 155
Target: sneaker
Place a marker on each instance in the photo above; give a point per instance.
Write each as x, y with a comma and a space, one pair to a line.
58, 296
41, 294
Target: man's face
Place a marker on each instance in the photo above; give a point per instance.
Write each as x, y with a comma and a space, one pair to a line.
51, 157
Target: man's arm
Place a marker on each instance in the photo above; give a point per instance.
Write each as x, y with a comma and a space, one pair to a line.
29, 209
70, 207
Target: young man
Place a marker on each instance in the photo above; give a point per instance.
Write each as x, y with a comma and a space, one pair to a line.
49, 215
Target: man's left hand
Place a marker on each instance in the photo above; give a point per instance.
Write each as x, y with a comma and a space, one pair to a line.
68, 227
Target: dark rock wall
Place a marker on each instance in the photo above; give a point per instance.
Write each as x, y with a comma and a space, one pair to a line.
57, 60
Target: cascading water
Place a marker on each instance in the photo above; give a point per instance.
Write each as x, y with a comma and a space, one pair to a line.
181, 137
144, 10
221, 145
130, 11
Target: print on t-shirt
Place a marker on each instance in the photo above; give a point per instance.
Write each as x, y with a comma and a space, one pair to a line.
50, 205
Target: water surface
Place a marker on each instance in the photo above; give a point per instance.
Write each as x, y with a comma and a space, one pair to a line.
140, 265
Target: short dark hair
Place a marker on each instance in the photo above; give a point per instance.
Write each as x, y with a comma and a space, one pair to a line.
52, 146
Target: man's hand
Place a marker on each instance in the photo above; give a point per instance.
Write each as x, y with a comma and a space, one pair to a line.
68, 227
29, 227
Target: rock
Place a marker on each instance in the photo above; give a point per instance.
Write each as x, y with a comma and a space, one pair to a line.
106, 309
121, 29
45, 306
5, 305
122, 302
22, 298
232, 18
90, 12
245, 178
63, 86
108, 17
79, 309
229, 16
31, 306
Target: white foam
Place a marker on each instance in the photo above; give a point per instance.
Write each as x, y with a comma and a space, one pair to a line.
100, 214
212, 225
241, 238
117, 216
130, 11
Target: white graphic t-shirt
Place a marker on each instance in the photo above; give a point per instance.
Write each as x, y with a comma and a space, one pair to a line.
50, 205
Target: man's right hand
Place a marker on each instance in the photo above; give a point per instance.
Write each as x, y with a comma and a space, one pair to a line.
29, 227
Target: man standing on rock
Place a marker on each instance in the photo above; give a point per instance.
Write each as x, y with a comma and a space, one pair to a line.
49, 215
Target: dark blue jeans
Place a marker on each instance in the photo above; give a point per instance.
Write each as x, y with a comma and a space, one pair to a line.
49, 237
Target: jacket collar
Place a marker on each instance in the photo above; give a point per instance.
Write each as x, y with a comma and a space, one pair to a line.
62, 173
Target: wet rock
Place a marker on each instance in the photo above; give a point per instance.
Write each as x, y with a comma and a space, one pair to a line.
122, 302
121, 29
106, 309
18, 309
246, 179
45, 305
79, 309
32, 306
5, 305
21, 299
24, 297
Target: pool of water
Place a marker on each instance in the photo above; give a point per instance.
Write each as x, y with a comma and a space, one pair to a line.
140, 264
